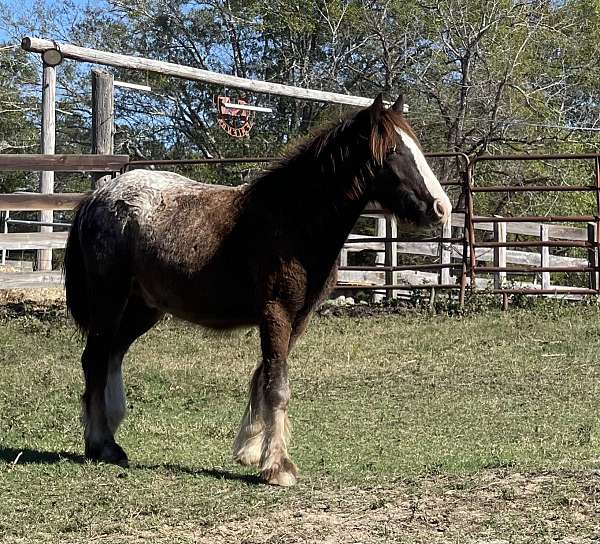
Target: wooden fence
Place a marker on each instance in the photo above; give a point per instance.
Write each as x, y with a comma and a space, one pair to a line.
395, 251
43, 242
440, 253
397, 267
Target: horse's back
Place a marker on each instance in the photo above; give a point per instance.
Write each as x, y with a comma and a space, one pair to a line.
146, 193
166, 230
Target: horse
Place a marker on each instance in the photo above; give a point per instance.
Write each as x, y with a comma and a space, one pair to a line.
262, 254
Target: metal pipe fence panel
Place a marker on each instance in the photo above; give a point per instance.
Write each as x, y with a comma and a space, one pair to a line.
448, 260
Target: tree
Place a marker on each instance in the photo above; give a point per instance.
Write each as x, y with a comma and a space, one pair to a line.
18, 112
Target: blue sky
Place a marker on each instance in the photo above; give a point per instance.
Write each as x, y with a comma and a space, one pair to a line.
23, 10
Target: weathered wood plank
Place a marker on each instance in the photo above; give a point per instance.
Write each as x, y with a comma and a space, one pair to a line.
36, 201
428, 278
483, 254
96, 56
16, 266
44, 257
555, 232
102, 118
545, 257
30, 280
62, 163
499, 254
33, 240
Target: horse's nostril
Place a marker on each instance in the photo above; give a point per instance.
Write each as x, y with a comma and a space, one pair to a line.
441, 208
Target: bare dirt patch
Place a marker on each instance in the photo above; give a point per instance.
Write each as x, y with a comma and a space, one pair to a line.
488, 508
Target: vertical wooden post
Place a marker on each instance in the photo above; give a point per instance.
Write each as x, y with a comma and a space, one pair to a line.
545, 256
102, 118
343, 257
446, 253
593, 255
391, 253
44, 256
380, 256
499, 255
5, 218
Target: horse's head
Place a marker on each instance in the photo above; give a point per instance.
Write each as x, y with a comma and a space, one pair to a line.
403, 181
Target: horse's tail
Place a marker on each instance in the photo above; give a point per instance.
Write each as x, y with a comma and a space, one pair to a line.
76, 286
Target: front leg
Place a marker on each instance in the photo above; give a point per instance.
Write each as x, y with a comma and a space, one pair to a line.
247, 447
275, 332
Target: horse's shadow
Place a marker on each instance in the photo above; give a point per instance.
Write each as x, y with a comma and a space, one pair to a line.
26, 456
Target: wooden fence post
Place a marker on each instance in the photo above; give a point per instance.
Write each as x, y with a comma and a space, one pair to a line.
344, 257
545, 256
446, 253
380, 256
5, 217
102, 118
593, 255
44, 256
391, 253
499, 255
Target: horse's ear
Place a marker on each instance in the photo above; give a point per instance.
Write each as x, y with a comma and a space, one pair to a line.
398, 106
377, 107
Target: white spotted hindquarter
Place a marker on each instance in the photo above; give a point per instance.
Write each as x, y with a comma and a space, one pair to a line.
149, 212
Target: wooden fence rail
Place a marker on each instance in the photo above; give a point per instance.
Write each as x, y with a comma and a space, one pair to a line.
446, 253
62, 163
37, 201
387, 246
387, 253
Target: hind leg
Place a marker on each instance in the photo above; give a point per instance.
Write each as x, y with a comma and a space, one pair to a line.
138, 318
103, 416
100, 444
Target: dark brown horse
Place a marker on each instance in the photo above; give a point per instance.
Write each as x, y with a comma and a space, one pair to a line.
261, 254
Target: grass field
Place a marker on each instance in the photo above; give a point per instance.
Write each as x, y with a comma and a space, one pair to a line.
407, 428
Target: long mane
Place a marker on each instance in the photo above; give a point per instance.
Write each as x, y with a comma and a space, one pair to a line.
332, 150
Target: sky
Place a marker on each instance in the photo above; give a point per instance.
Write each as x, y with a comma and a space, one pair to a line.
23, 9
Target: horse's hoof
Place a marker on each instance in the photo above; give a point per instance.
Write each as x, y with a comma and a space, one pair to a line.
285, 474
108, 453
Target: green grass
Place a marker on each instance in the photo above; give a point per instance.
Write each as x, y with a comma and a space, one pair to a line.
385, 410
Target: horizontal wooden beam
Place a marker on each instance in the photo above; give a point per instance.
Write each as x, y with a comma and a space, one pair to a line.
63, 163
37, 201
556, 232
33, 240
30, 280
85, 54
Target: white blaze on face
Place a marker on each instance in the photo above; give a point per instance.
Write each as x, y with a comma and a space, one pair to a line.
430, 179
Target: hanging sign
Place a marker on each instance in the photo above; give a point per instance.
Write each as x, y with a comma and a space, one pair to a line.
235, 118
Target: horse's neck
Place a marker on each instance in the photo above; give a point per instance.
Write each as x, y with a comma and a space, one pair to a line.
318, 208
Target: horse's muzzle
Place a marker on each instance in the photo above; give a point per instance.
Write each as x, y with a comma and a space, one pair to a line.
442, 209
